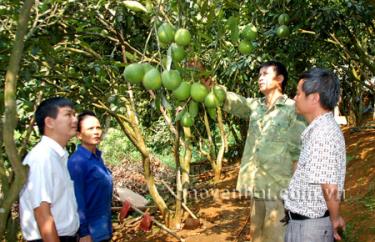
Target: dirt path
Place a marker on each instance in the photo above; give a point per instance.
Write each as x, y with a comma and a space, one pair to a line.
359, 206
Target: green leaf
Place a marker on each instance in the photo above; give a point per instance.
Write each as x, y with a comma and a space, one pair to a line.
180, 114
157, 102
165, 103
130, 57
135, 6
232, 25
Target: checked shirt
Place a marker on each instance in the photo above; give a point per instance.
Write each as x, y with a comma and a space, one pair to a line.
322, 161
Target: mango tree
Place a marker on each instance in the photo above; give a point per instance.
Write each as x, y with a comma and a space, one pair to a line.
12, 179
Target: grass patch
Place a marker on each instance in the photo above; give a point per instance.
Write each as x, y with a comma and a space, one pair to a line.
116, 147
369, 202
167, 159
371, 230
350, 234
369, 199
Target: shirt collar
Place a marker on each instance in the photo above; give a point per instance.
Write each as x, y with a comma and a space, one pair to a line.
280, 101
54, 145
86, 153
315, 123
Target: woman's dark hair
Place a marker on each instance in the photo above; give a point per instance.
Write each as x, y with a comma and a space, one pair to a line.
324, 82
50, 108
82, 116
280, 69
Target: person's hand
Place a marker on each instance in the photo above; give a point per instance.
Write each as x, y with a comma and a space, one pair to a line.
86, 238
338, 226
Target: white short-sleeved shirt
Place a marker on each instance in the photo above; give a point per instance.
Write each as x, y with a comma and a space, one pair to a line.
48, 181
322, 161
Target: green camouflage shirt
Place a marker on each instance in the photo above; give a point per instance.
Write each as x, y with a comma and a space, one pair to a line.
272, 144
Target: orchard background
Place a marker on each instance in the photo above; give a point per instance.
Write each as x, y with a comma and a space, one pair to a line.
81, 49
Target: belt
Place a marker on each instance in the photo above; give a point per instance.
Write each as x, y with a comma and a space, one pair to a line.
62, 239
296, 216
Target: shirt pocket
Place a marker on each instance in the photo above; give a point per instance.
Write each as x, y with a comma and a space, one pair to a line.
254, 120
277, 130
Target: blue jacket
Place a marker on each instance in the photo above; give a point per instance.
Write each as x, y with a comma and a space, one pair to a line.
93, 189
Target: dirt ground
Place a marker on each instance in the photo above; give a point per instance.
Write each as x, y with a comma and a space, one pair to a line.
359, 205
224, 216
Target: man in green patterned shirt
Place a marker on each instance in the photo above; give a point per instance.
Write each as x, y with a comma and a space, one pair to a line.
272, 145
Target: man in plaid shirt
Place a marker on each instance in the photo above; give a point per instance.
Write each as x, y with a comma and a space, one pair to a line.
313, 197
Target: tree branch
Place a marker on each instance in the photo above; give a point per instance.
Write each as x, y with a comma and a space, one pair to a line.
10, 114
31, 125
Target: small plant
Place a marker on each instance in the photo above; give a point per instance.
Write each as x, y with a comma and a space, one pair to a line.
369, 202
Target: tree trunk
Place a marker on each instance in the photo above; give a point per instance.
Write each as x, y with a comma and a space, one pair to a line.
185, 164
213, 155
223, 147
4, 179
10, 114
176, 151
177, 218
210, 154
138, 141
13, 226
152, 187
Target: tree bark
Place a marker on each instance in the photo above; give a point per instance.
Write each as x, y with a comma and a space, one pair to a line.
146, 157
185, 164
10, 116
223, 147
216, 158
176, 151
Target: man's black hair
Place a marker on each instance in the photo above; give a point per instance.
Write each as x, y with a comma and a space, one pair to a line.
50, 108
324, 82
82, 116
280, 69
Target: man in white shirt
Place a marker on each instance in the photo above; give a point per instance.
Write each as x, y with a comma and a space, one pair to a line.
314, 192
48, 209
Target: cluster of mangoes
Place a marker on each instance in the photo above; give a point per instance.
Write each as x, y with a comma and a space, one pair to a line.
248, 36
183, 91
283, 30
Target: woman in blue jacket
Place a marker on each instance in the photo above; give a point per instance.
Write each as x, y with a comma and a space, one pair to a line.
92, 182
